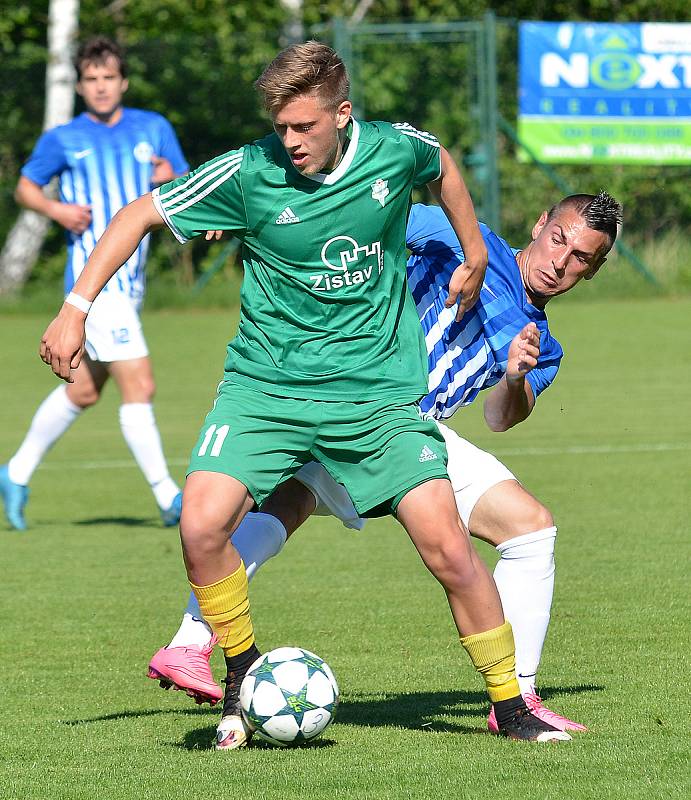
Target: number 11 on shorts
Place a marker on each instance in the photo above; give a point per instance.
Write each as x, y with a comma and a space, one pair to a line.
219, 436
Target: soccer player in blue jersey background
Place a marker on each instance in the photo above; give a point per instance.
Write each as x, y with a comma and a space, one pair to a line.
502, 345
105, 157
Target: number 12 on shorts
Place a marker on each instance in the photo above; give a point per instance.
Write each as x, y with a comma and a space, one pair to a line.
218, 435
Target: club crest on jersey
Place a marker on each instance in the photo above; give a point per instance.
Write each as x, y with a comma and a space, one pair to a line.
352, 263
380, 191
143, 151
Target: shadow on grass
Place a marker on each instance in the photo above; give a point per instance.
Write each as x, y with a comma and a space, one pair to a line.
150, 712
204, 738
430, 711
438, 712
554, 691
125, 522
413, 710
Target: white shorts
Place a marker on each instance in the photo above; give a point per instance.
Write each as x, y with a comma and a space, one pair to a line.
332, 498
114, 330
472, 472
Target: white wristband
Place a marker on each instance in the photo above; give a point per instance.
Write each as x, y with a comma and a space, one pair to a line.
78, 301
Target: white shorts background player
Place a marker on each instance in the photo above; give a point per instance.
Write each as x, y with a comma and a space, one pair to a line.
114, 330
502, 345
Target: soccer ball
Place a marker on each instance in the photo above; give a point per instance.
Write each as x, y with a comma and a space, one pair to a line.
289, 696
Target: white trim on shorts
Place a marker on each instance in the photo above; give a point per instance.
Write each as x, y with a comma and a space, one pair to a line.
114, 330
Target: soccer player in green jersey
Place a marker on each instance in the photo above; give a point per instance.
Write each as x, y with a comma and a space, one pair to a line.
329, 362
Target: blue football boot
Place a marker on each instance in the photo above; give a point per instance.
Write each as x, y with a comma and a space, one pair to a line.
14, 496
171, 516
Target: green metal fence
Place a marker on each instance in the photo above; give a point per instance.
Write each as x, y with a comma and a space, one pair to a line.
443, 77
439, 77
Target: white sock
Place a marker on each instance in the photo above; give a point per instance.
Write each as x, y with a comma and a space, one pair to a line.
192, 630
52, 418
138, 426
525, 579
257, 538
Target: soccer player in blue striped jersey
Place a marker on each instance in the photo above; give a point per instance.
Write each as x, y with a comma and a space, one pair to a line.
104, 158
469, 355
502, 345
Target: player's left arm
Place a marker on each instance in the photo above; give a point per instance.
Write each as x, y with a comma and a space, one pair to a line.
512, 399
452, 195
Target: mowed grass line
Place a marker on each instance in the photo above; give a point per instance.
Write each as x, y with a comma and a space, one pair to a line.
96, 586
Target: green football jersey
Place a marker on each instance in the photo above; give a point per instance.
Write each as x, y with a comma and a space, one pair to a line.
325, 310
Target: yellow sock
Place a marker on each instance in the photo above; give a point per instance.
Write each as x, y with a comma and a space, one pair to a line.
493, 653
226, 607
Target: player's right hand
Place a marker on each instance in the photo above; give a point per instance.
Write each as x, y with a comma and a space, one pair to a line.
523, 352
73, 217
62, 344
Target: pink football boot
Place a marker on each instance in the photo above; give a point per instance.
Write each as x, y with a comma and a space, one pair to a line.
534, 703
187, 669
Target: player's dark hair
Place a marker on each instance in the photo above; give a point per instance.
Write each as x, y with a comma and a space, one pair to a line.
98, 50
302, 69
601, 212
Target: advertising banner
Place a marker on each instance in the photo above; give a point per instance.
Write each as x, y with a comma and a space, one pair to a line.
605, 93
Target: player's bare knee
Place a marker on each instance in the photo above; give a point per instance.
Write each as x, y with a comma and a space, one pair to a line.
200, 534
83, 396
542, 518
147, 389
452, 564
532, 516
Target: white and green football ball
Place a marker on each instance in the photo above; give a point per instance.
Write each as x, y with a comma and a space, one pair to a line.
289, 696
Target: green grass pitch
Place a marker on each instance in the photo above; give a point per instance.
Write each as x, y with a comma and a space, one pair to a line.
96, 586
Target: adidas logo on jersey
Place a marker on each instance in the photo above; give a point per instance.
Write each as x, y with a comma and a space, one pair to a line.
287, 217
427, 455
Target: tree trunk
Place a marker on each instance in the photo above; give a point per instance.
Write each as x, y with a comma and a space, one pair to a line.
24, 241
293, 30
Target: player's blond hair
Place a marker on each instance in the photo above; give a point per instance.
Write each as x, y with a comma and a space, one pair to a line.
304, 69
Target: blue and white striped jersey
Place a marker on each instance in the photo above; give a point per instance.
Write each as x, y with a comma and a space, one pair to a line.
468, 356
105, 167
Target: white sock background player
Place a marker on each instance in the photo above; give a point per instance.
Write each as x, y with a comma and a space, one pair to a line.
503, 345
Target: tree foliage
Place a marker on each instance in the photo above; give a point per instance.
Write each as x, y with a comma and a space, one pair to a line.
195, 61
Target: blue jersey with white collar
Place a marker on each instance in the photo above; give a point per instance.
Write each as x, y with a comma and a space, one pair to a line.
468, 356
105, 167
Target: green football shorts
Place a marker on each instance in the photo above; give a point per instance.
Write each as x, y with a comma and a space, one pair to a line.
378, 451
